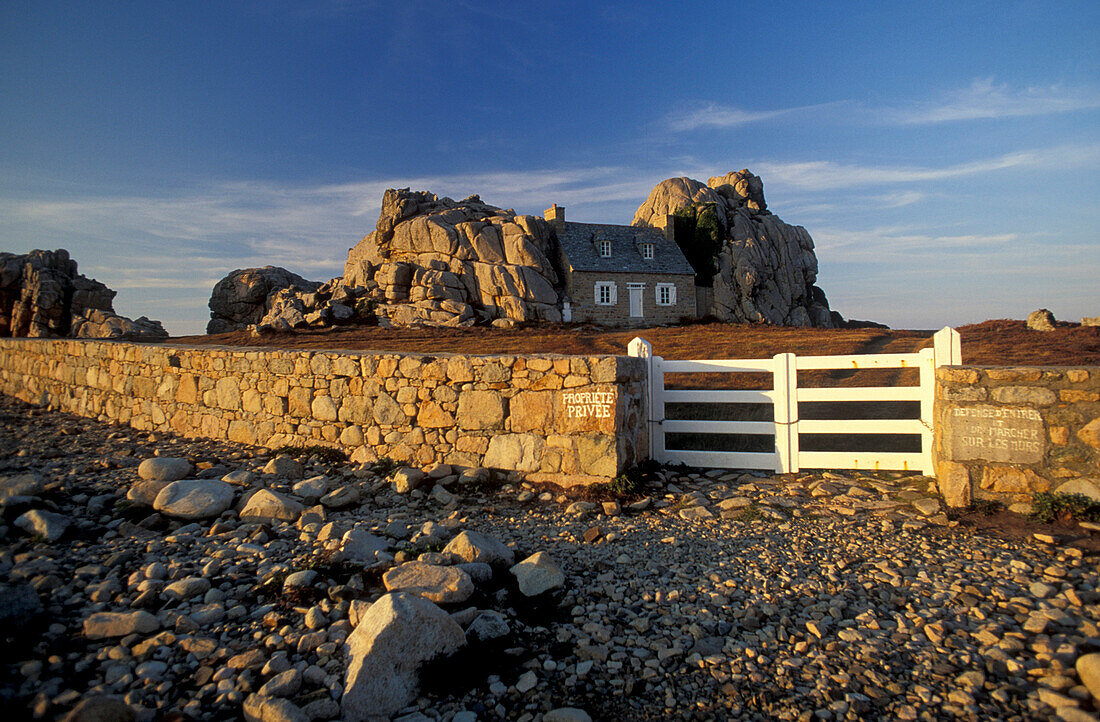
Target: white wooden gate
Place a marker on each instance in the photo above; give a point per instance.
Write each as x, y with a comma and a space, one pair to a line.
785, 396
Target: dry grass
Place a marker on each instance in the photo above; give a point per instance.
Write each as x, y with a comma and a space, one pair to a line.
1001, 342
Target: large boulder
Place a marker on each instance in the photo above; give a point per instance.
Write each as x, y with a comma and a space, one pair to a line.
108, 625
436, 261
99, 708
48, 525
398, 634
164, 468
267, 506
473, 546
442, 585
537, 574
194, 499
246, 295
43, 295
20, 485
1041, 320
761, 269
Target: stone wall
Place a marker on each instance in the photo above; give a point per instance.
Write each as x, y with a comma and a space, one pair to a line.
1007, 433
585, 309
566, 419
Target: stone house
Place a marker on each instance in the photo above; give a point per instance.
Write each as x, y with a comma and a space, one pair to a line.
622, 275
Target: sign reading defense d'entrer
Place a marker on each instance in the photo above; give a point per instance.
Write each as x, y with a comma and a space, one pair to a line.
996, 434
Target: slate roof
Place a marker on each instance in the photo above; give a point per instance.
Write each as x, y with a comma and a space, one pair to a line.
579, 243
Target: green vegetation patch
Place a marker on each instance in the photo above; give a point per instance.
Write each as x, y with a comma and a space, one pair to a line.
703, 239
628, 485
1054, 506
384, 467
749, 513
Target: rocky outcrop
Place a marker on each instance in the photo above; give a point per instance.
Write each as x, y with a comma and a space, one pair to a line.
437, 261
43, 295
331, 304
94, 323
246, 295
761, 269
274, 300
1041, 320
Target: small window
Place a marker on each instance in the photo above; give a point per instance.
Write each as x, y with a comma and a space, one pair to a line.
647, 251
666, 294
605, 293
605, 249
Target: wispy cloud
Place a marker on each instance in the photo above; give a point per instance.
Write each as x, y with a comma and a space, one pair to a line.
899, 199
983, 99
712, 115
887, 243
987, 99
829, 174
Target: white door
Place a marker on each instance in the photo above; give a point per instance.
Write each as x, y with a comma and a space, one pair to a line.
636, 290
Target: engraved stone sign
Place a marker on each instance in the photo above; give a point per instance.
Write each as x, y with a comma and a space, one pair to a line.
1011, 435
582, 404
590, 410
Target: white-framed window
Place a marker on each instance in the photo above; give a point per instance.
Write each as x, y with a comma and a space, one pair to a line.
605, 248
647, 251
666, 294
605, 293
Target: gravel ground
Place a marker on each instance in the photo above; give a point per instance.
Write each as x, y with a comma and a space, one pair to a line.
716, 595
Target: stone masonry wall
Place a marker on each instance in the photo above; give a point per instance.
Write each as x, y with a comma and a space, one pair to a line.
585, 309
565, 419
1007, 433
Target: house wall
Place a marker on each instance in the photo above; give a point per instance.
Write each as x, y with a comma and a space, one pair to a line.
581, 286
567, 419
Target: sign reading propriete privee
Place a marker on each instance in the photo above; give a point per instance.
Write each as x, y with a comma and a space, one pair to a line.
588, 404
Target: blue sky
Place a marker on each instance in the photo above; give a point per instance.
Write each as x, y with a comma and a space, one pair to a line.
945, 156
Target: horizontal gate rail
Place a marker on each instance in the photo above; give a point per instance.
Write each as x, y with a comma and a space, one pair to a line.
876, 460
674, 396
680, 426
723, 459
860, 426
861, 393
785, 397
717, 365
863, 361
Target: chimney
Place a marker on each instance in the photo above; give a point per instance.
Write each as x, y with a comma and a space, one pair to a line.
670, 227
555, 215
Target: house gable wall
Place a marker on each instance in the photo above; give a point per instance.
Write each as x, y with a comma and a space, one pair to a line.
581, 286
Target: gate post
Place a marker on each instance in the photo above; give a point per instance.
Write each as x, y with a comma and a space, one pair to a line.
654, 403
785, 413
927, 401
947, 347
946, 351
